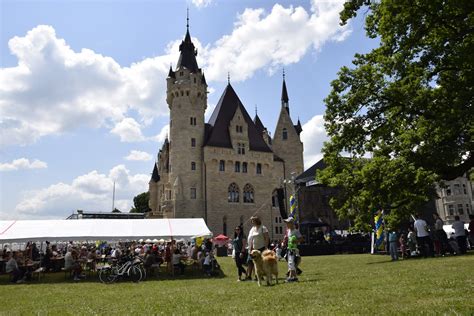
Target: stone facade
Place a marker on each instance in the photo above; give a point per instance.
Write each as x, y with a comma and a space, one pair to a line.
455, 198
225, 170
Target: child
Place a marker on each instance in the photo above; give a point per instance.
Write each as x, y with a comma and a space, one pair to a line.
207, 264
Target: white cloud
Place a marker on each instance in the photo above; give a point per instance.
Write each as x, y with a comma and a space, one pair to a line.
164, 133
89, 192
313, 138
268, 41
23, 163
201, 3
85, 88
129, 130
81, 88
137, 155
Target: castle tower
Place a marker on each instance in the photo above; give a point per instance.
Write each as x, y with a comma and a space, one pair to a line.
286, 139
187, 101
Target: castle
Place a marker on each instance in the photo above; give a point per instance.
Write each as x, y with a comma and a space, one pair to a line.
225, 170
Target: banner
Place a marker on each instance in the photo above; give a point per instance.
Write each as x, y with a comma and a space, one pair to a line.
379, 231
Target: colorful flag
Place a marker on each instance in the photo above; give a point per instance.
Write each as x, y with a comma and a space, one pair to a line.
292, 207
379, 233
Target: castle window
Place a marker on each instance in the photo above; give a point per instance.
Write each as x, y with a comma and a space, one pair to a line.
192, 121
448, 191
239, 128
237, 166
457, 189
460, 209
233, 196
244, 167
182, 93
464, 188
193, 165
248, 193
194, 79
187, 93
451, 209
193, 142
222, 165
193, 193
285, 134
241, 148
181, 73
259, 168
199, 94
275, 198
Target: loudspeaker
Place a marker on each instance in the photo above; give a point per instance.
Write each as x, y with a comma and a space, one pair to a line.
281, 203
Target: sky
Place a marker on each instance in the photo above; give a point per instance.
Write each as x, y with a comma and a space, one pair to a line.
82, 87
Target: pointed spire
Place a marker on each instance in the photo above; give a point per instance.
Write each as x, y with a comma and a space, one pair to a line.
228, 77
187, 58
155, 177
171, 73
187, 18
256, 110
284, 94
203, 79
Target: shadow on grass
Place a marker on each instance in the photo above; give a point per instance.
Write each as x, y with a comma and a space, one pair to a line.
59, 278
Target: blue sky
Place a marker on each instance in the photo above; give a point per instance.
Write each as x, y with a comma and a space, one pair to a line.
82, 86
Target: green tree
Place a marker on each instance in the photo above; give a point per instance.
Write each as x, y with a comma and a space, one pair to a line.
141, 203
407, 103
116, 210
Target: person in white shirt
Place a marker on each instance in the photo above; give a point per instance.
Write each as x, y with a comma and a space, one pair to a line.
258, 238
423, 237
460, 234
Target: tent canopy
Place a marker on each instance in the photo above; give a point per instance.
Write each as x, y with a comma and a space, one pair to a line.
102, 229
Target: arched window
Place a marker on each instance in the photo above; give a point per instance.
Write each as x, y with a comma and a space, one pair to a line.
248, 193
285, 134
233, 196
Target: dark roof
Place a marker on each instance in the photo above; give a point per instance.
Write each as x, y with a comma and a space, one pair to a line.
155, 177
187, 58
220, 119
298, 127
310, 174
277, 158
284, 93
258, 124
171, 73
203, 79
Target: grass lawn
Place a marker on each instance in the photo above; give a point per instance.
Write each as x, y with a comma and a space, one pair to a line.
339, 284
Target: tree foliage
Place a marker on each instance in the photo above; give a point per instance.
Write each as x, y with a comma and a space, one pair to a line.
141, 203
408, 103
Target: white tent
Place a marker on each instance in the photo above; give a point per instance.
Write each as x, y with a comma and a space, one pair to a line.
102, 229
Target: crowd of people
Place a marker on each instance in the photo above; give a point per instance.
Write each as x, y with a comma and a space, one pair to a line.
76, 257
425, 241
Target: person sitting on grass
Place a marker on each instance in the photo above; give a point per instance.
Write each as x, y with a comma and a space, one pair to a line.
12, 268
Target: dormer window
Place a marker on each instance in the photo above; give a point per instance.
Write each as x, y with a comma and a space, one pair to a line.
241, 148
285, 134
181, 73
239, 128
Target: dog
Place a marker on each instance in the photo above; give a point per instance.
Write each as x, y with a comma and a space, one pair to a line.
266, 264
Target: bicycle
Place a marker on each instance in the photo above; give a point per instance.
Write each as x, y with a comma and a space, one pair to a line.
128, 269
